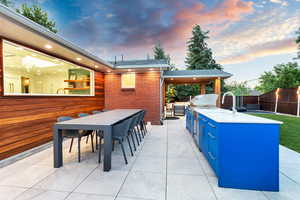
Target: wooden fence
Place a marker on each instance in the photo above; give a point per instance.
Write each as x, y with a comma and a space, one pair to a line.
246, 100
287, 101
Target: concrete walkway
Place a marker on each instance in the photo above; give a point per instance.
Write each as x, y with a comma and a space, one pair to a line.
166, 166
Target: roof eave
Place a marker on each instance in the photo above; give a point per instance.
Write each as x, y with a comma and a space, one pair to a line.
38, 29
198, 76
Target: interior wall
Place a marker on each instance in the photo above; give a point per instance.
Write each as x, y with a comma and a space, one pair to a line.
146, 94
27, 121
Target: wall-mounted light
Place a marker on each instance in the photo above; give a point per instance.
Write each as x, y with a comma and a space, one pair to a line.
277, 92
129, 70
172, 79
276, 100
96, 66
108, 71
194, 78
48, 46
151, 69
298, 105
78, 59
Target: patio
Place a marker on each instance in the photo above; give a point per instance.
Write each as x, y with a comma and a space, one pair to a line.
166, 166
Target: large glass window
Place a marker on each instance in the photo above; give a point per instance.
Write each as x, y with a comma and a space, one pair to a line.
27, 72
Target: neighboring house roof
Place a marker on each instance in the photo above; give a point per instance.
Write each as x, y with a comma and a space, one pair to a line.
196, 73
149, 63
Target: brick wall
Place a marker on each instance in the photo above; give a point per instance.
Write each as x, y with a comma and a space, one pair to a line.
146, 94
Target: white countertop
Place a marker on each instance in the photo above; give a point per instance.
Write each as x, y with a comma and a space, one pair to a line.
226, 116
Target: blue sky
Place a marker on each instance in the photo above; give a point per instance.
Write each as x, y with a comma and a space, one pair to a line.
247, 37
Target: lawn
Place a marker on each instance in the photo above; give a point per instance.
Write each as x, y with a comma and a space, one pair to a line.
290, 130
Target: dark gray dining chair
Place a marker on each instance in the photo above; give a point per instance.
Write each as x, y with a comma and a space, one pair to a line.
137, 125
120, 133
96, 111
74, 134
133, 130
91, 135
143, 122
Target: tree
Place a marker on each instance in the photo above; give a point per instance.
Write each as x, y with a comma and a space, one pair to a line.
36, 14
238, 89
7, 3
199, 56
298, 42
159, 52
282, 76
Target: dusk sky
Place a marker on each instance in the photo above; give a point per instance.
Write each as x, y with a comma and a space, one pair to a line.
247, 37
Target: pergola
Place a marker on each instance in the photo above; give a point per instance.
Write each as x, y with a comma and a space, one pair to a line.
201, 77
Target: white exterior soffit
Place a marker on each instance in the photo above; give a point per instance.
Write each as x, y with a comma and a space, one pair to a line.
20, 29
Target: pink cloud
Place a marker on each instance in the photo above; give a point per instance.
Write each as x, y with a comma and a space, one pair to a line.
226, 12
174, 37
271, 48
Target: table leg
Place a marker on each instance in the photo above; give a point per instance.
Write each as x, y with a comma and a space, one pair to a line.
57, 148
107, 148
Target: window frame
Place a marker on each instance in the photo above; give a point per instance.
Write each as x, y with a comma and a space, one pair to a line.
92, 74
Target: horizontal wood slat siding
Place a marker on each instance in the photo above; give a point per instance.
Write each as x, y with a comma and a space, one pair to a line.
26, 122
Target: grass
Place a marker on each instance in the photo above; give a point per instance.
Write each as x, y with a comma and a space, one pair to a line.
290, 130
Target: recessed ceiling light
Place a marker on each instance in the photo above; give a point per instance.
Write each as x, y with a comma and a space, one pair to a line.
48, 46
79, 59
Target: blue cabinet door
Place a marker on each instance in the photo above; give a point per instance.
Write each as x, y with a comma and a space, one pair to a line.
204, 138
212, 146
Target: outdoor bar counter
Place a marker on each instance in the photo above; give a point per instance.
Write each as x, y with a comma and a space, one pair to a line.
243, 150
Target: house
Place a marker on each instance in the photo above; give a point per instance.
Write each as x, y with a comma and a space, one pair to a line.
43, 76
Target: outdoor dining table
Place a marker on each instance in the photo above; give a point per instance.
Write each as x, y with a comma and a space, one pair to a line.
100, 121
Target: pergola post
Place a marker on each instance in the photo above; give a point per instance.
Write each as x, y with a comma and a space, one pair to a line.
218, 90
202, 88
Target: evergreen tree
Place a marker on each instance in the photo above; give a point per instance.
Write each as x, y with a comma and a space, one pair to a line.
199, 56
36, 14
159, 52
298, 42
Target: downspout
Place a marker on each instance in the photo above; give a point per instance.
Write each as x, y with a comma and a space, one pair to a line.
160, 95
298, 108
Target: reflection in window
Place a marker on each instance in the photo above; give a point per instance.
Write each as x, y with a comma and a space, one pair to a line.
30, 72
128, 80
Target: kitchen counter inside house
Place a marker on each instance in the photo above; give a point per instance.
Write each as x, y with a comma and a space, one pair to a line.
243, 150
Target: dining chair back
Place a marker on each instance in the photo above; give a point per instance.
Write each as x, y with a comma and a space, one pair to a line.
67, 133
96, 111
83, 114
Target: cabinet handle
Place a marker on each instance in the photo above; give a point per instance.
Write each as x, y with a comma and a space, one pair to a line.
211, 125
211, 156
211, 135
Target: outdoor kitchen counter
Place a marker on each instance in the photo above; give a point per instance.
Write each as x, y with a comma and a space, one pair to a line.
242, 150
227, 116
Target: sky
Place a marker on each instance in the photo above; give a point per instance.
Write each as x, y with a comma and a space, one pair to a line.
247, 37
